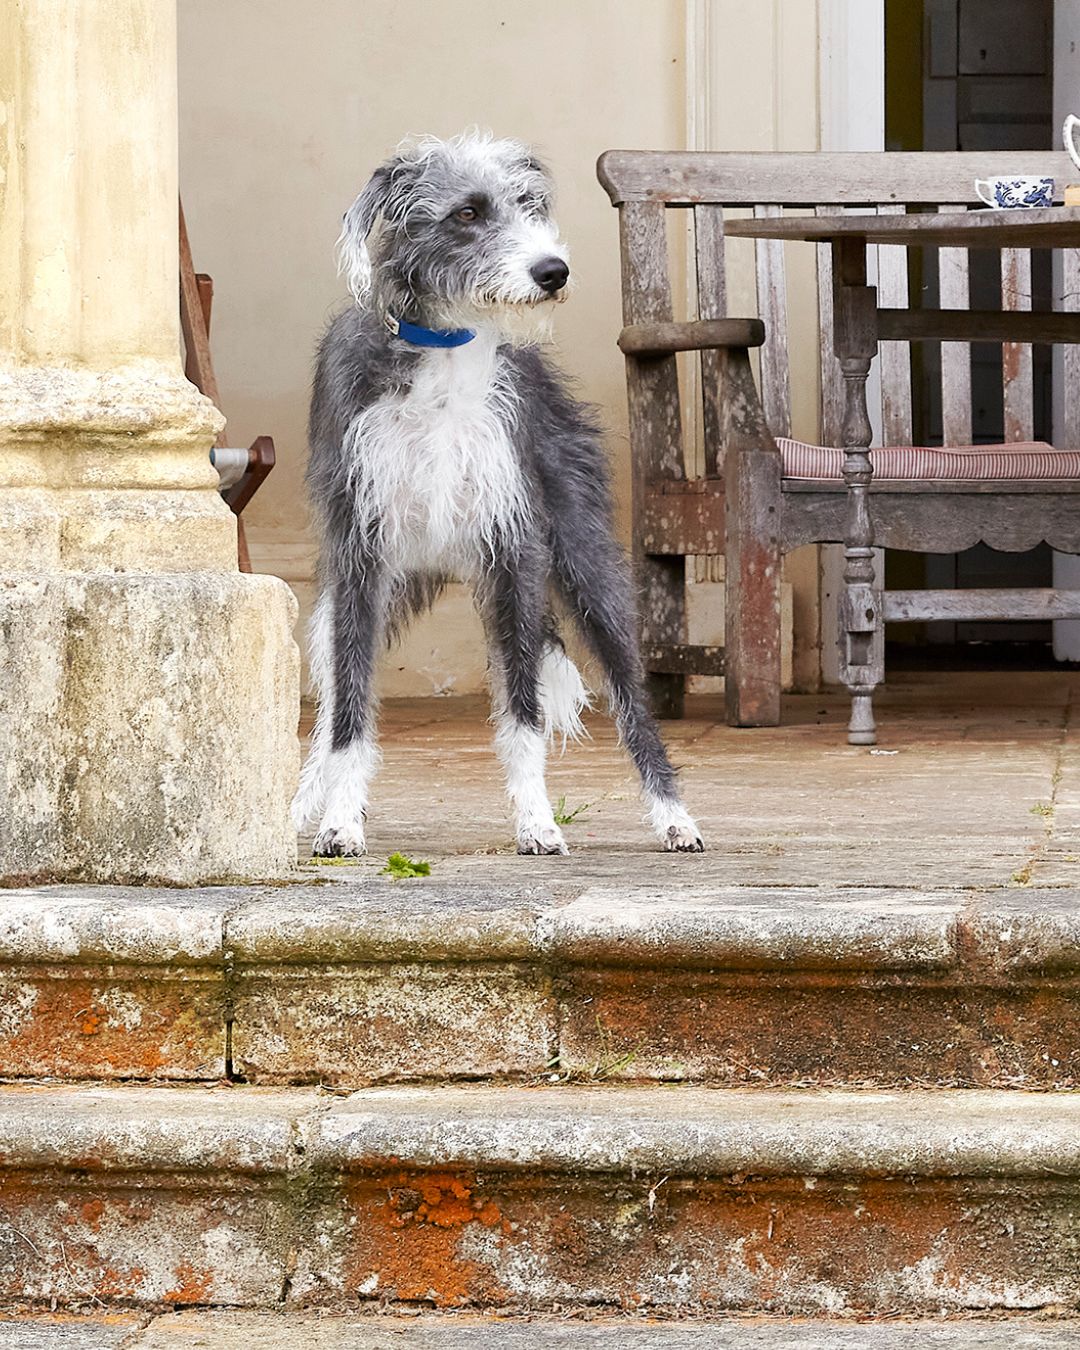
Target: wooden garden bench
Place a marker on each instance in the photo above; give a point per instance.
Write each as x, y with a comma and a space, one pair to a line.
241, 472
756, 499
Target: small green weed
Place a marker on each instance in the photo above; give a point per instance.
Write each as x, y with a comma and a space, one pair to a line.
1042, 809
563, 816
398, 867
609, 1062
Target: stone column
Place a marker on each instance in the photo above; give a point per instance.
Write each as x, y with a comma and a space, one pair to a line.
148, 690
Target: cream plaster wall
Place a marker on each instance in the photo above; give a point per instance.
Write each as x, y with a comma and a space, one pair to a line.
287, 105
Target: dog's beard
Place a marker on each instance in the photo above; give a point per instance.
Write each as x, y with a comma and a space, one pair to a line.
522, 323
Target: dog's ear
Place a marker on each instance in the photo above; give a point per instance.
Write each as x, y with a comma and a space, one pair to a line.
354, 260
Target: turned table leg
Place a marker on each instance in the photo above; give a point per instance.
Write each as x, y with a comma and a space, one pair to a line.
861, 632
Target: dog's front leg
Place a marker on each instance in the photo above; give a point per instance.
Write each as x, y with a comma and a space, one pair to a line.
359, 612
513, 603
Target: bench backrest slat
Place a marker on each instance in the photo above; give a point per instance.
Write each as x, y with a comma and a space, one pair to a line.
954, 293
772, 308
712, 304
653, 386
895, 360
832, 382
1069, 299
1016, 368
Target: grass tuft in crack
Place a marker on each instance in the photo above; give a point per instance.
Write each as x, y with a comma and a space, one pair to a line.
563, 816
609, 1063
398, 868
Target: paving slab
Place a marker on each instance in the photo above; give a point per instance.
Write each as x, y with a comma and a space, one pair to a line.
965, 788
223, 1330
757, 927
70, 1331
239, 1331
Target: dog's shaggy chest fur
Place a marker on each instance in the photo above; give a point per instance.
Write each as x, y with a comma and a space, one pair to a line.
432, 470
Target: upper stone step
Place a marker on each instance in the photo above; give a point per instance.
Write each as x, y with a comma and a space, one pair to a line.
346, 983
633, 1198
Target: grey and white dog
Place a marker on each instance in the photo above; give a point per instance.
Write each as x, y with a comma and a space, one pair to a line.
444, 445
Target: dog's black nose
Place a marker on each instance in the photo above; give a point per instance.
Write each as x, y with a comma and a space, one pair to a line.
550, 274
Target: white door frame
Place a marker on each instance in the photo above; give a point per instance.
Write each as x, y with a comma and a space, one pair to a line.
851, 116
1066, 100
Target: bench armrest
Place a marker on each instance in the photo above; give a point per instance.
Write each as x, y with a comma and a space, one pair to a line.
661, 339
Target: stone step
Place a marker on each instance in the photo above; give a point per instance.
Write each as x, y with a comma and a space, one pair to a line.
216, 1330
348, 983
688, 1200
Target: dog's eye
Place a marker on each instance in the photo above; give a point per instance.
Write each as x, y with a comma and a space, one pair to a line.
467, 213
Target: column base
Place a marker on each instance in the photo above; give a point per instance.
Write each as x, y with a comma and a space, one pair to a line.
149, 727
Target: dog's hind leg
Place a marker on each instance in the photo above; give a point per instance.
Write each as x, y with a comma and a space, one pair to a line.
358, 611
596, 583
512, 601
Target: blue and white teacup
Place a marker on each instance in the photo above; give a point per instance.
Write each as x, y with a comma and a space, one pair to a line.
1010, 193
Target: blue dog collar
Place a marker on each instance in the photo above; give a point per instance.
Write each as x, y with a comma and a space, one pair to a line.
428, 337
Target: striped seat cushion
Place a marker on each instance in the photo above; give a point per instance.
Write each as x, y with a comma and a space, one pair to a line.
1022, 460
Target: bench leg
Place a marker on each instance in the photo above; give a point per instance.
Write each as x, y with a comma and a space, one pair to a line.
662, 583
752, 563
861, 628
861, 657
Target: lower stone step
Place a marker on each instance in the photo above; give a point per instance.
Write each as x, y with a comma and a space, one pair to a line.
307, 1331
350, 983
683, 1200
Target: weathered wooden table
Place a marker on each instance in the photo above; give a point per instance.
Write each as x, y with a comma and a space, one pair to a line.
858, 327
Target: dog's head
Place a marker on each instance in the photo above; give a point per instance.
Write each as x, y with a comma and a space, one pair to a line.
455, 232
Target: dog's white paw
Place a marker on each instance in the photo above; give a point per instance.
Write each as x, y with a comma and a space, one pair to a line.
683, 839
675, 827
537, 838
340, 841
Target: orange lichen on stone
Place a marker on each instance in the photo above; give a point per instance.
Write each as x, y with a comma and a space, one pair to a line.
115, 1023
193, 1286
448, 1203
115, 1283
91, 1213
411, 1233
